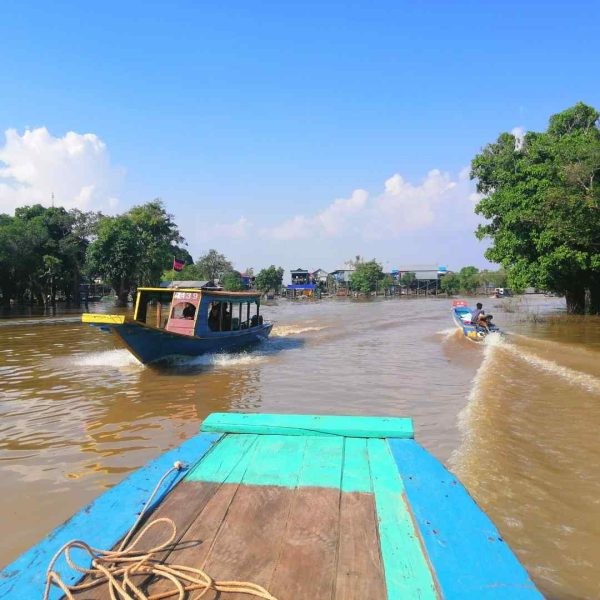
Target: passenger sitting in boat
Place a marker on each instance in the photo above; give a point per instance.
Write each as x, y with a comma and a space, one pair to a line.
189, 311
214, 316
480, 318
226, 320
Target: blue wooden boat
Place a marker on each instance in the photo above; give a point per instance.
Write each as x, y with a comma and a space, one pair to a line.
186, 322
308, 507
461, 315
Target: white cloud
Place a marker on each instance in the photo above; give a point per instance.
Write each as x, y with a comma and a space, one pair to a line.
236, 230
75, 168
330, 222
402, 207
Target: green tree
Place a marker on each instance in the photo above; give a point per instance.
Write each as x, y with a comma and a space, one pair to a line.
232, 282
493, 278
468, 278
213, 265
450, 283
408, 279
134, 249
115, 254
541, 198
366, 276
42, 252
158, 237
387, 282
188, 273
269, 279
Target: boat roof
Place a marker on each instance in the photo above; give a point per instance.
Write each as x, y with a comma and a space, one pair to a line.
207, 292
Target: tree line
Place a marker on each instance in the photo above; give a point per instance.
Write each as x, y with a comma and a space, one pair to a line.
369, 276
46, 253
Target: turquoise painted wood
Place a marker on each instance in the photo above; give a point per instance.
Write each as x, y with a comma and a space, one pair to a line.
227, 461
364, 427
470, 559
357, 471
101, 524
407, 574
288, 461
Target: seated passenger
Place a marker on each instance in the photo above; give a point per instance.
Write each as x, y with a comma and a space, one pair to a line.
479, 317
189, 311
226, 320
214, 316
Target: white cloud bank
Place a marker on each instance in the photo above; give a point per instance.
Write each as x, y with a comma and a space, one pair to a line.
75, 168
439, 201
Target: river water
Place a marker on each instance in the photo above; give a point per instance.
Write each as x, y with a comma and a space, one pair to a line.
517, 418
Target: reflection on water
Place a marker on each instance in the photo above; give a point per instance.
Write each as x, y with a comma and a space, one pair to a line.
516, 417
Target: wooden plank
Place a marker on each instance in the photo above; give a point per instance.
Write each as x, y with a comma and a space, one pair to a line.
406, 569
195, 544
470, 558
370, 427
101, 523
225, 462
182, 506
357, 473
307, 565
249, 543
360, 568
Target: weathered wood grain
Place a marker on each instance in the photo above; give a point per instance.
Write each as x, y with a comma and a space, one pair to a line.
308, 560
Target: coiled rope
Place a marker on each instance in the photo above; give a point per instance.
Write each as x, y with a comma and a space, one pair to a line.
116, 568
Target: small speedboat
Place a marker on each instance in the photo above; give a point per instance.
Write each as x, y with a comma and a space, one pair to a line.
462, 314
186, 321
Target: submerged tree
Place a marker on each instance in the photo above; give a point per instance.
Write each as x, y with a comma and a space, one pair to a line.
542, 202
269, 279
232, 282
42, 253
366, 277
133, 249
213, 265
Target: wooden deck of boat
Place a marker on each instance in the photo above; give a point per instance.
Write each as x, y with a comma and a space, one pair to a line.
313, 508
297, 543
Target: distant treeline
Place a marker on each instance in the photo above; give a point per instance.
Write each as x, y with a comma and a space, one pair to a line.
47, 254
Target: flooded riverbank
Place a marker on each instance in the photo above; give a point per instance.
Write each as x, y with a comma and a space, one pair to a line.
516, 418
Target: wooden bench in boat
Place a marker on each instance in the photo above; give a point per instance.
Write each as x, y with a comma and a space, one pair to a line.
309, 507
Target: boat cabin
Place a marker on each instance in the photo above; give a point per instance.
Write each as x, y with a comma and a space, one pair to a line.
197, 312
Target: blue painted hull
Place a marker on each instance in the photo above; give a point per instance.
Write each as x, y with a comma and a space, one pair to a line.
470, 331
150, 345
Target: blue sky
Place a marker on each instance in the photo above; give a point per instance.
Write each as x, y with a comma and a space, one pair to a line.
294, 134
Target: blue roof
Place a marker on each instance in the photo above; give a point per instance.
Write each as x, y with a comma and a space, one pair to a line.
302, 286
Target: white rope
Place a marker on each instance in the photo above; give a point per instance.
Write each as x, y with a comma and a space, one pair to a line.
117, 568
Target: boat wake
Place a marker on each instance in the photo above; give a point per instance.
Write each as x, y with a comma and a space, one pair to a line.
448, 333
221, 360
287, 330
108, 358
572, 376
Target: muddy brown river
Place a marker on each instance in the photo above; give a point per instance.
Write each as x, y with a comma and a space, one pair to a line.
517, 418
